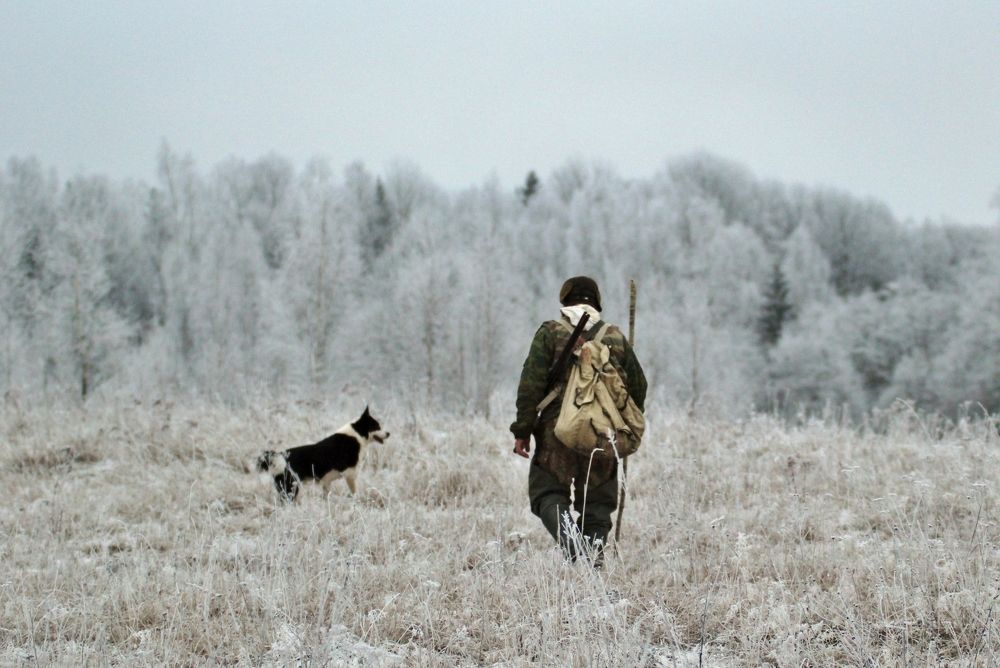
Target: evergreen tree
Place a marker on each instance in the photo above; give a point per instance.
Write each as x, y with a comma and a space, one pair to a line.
379, 227
776, 308
530, 187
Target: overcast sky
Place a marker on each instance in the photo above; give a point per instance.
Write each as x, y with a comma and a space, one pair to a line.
897, 100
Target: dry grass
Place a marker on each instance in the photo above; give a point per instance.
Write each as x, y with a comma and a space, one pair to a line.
136, 535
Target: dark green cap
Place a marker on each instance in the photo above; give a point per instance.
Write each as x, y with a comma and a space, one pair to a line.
580, 290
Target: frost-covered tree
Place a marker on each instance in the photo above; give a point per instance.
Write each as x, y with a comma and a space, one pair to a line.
569, 178
30, 202
323, 263
697, 364
86, 331
180, 232
930, 257
860, 238
407, 191
965, 372
261, 277
493, 293
183, 195
359, 187
28, 214
806, 270
764, 207
735, 264
904, 322
725, 183
131, 256
811, 370
260, 193
231, 311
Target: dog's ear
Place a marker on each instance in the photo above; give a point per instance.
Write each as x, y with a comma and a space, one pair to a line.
366, 412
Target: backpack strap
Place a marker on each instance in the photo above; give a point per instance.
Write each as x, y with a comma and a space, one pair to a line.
558, 387
549, 398
599, 336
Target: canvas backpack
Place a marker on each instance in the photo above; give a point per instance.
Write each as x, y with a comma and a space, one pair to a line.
597, 414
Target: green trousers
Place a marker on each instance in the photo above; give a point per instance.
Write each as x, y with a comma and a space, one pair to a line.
594, 506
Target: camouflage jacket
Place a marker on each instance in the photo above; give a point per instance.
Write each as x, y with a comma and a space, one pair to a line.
549, 341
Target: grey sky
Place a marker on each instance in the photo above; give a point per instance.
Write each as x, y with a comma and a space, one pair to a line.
898, 100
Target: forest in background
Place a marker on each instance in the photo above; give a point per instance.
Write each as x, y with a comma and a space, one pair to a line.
259, 277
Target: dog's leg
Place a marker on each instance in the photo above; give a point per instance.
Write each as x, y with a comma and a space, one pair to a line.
351, 482
279, 484
287, 486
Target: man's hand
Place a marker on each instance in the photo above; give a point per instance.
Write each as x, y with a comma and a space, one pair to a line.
522, 446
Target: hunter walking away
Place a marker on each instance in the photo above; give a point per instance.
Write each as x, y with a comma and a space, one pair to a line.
559, 379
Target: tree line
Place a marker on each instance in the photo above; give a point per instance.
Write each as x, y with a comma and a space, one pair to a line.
260, 276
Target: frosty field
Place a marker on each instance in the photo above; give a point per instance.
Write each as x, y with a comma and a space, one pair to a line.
136, 535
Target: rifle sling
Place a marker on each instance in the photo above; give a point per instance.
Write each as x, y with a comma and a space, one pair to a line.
599, 327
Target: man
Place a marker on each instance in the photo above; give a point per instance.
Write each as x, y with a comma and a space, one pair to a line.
556, 468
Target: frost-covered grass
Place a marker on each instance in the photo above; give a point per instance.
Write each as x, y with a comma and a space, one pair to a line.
137, 535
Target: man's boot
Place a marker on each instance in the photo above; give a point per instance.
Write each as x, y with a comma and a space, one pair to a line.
564, 532
594, 543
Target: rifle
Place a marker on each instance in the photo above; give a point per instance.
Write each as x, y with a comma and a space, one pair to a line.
558, 370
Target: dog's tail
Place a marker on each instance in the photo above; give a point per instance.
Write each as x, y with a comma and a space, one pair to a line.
271, 462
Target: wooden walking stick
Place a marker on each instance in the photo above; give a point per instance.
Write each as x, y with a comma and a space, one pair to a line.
631, 342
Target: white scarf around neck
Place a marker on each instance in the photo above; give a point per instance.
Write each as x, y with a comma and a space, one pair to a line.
575, 312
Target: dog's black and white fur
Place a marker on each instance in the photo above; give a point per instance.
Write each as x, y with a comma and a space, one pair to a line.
336, 456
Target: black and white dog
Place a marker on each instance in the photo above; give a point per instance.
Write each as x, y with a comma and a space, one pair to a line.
336, 456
